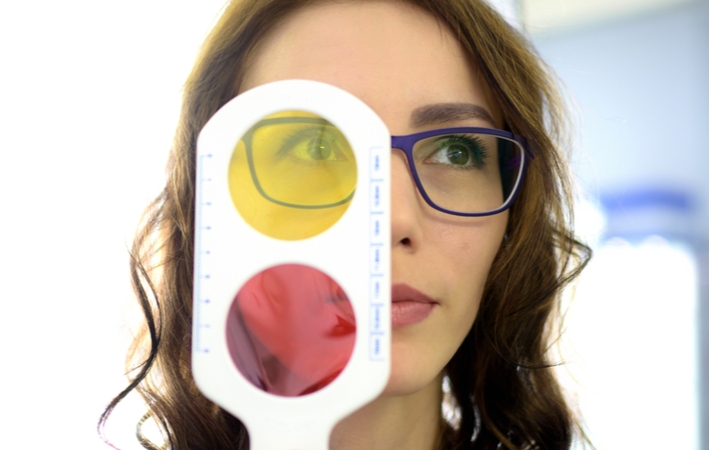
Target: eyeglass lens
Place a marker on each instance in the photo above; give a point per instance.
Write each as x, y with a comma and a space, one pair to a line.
468, 173
304, 164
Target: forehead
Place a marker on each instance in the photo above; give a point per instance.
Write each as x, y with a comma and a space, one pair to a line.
393, 56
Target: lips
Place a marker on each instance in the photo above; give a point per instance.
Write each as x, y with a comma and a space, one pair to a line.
409, 306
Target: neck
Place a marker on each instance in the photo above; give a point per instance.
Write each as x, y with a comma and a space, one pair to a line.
410, 421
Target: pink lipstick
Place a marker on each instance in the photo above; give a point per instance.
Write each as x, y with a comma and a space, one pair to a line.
409, 306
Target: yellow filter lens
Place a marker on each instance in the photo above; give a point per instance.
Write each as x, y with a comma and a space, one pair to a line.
292, 175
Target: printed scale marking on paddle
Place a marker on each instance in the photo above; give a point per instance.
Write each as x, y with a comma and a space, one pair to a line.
291, 314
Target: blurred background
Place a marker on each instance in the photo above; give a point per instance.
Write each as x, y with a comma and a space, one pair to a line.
89, 98
637, 329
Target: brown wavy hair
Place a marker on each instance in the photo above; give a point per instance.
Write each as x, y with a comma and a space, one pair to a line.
501, 379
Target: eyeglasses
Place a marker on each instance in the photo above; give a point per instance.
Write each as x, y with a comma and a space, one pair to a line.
466, 171
306, 162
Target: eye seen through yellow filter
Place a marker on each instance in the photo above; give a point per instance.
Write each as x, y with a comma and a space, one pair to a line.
292, 175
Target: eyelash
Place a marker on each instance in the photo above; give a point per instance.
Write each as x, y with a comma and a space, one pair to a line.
296, 136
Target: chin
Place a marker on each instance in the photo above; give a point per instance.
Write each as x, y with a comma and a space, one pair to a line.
411, 375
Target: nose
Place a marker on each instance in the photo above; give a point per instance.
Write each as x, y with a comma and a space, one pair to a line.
406, 206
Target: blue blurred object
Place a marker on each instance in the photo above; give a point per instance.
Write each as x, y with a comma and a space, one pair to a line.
641, 211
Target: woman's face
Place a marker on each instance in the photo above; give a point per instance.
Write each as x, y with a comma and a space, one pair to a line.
407, 68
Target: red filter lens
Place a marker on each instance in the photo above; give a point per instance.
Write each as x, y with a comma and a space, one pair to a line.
291, 330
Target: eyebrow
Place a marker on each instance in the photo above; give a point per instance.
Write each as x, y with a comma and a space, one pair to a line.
438, 113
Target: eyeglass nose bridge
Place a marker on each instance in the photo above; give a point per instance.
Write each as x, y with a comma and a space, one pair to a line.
400, 143
406, 145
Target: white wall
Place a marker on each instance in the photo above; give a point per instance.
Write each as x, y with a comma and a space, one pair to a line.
89, 97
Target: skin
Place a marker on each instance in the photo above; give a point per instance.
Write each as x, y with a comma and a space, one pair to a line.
399, 59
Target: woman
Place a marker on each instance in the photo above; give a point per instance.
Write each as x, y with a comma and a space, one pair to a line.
495, 280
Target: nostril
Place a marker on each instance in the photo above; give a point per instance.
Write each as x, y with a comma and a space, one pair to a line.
406, 242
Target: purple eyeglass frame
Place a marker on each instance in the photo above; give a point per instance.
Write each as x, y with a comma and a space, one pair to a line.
406, 144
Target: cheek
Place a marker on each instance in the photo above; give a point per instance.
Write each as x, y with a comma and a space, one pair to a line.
468, 251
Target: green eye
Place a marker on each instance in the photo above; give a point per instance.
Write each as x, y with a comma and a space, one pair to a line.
319, 149
456, 154
458, 151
